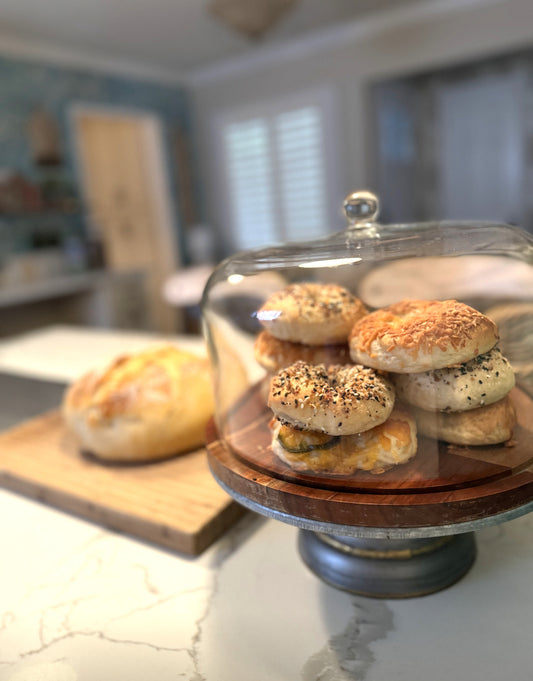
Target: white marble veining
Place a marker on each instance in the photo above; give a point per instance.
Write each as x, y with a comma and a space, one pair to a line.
78, 602
81, 603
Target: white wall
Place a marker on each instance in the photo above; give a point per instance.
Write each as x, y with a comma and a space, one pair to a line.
404, 42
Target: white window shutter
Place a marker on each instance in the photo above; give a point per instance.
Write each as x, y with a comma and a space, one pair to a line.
276, 178
302, 186
250, 176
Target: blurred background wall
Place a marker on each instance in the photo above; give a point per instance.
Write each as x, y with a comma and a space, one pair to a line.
115, 180
48, 227
387, 80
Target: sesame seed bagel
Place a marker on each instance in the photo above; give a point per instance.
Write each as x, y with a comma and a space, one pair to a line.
490, 425
310, 313
274, 354
336, 399
481, 381
413, 336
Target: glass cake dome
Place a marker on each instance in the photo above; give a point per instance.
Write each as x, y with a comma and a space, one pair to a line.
483, 267
398, 432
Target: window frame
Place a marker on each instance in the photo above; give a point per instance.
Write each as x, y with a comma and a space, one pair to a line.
325, 99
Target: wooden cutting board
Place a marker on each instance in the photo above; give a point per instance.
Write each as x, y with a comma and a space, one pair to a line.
175, 503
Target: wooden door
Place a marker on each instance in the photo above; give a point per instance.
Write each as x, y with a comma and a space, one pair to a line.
128, 206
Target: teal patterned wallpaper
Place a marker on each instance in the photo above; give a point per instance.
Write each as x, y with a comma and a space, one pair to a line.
26, 86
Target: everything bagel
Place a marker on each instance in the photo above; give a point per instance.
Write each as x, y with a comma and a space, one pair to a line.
481, 381
336, 399
311, 313
414, 336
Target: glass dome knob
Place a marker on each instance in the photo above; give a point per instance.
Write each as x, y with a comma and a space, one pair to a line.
361, 207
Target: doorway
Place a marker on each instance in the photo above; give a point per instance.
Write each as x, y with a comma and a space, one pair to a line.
125, 183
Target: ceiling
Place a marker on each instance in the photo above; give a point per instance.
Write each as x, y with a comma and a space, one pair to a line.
174, 36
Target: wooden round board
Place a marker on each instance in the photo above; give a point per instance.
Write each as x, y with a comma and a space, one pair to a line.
444, 484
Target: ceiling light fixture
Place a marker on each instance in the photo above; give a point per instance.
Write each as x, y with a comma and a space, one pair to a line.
252, 18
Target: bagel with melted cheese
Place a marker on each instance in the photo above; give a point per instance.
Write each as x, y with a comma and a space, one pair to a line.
482, 380
414, 336
375, 450
311, 313
338, 419
144, 406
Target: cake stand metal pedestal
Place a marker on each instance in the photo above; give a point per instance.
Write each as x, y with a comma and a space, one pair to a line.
388, 568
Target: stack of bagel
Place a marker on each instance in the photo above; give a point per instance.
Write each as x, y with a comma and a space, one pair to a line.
443, 360
331, 415
309, 322
428, 367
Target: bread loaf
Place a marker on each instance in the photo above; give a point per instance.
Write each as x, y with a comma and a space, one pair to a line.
144, 406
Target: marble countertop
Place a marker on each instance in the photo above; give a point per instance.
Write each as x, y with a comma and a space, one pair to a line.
80, 602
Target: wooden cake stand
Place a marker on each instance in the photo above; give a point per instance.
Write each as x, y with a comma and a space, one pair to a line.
407, 532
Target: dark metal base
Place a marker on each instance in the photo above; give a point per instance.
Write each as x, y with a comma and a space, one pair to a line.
388, 568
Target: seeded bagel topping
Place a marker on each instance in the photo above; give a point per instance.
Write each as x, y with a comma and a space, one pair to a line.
328, 299
475, 383
341, 386
311, 313
310, 301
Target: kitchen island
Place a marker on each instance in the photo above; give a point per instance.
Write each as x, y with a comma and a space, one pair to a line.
79, 601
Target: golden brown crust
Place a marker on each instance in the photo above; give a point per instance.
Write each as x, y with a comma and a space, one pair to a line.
311, 313
488, 425
420, 335
376, 450
337, 399
274, 354
143, 406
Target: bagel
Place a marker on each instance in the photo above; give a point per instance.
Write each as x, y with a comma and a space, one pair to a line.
376, 450
311, 313
481, 381
274, 354
488, 425
413, 336
337, 399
